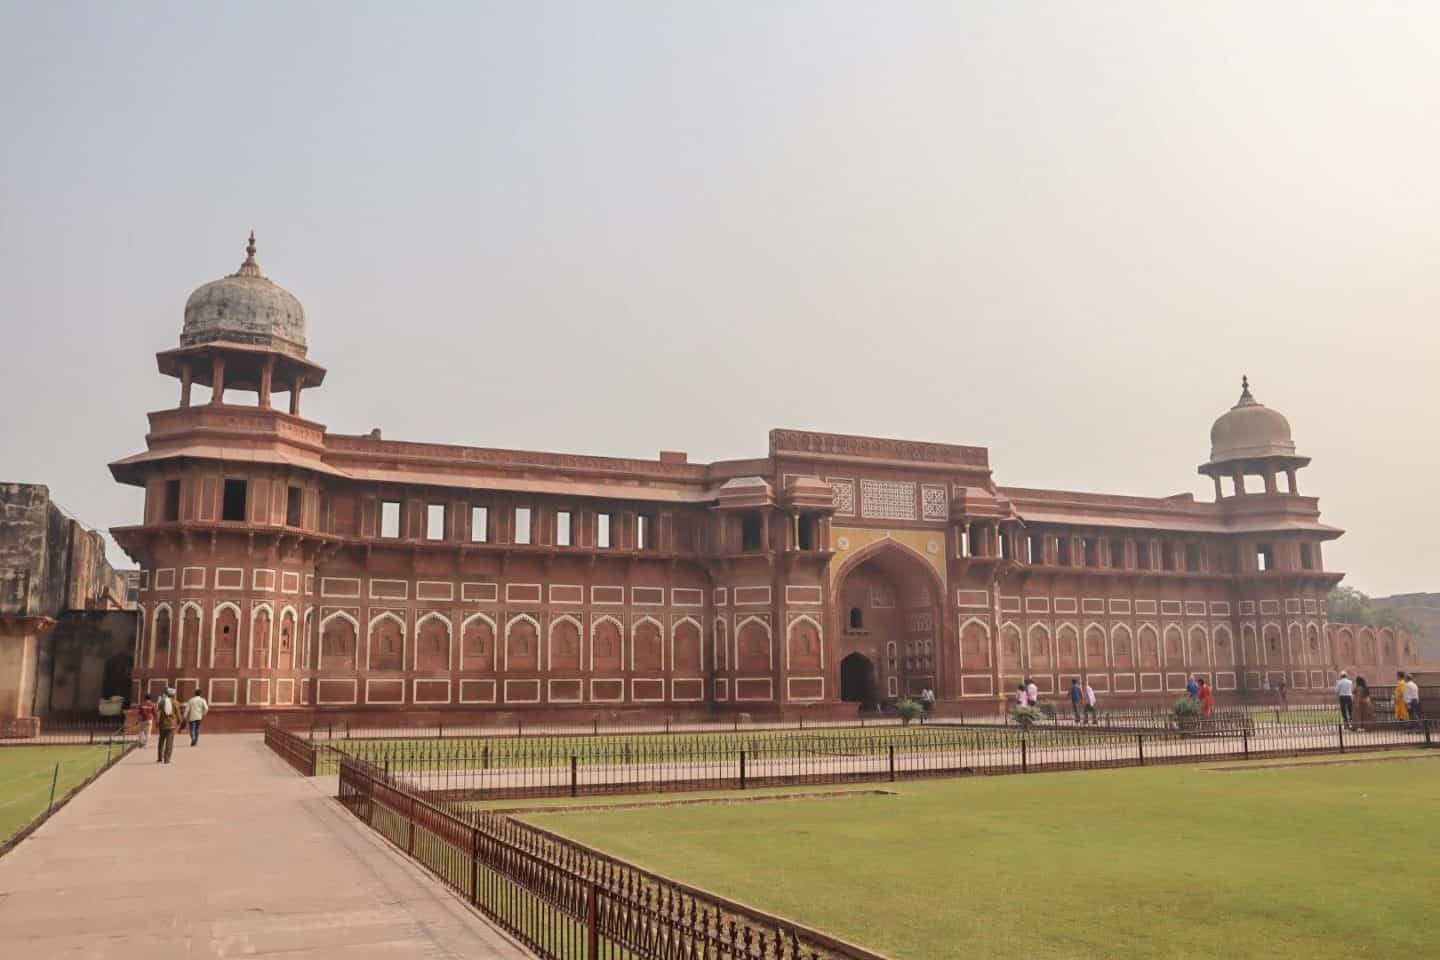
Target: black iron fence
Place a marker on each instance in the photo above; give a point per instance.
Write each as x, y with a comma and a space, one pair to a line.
296, 751
87, 731
475, 769
568, 902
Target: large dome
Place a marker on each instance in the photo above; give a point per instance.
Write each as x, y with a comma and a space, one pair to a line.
1250, 431
245, 307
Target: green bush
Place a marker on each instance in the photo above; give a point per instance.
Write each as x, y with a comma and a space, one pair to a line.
1027, 717
909, 710
1047, 709
1186, 709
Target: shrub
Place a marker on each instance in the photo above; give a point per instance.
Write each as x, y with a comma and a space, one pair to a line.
1186, 709
1027, 717
909, 710
1047, 709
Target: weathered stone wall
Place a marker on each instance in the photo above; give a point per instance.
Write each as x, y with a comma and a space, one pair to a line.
24, 533
88, 656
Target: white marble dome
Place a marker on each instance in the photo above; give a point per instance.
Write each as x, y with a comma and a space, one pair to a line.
1250, 431
245, 307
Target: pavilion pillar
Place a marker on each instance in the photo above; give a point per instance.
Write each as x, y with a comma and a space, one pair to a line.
295, 398
267, 375
217, 393
1290, 476
185, 376
1216, 478
1270, 479
1238, 473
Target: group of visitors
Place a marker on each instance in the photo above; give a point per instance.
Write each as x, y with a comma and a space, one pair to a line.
1027, 694
1082, 696
165, 715
1200, 690
1357, 708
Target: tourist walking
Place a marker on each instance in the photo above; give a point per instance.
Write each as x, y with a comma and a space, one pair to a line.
1090, 704
145, 720
1344, 692
1032, 692
1192, 688
195, 709
1402, 712
1022, 699
1076, 694
1284, 687
1206, 697
1364, 706
1412, 697
167, 717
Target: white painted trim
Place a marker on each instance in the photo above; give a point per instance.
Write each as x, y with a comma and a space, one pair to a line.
550, 640
239, 630
495, 641
635, 628
769, 636
370, 629
819, 632
449, 640
619, 630
200, 630
505, 660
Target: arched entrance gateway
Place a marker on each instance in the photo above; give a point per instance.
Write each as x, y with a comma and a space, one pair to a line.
889, 621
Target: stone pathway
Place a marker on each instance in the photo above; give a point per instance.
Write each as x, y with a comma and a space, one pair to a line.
226, 852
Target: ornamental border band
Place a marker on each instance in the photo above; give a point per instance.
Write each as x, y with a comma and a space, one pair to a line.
290, 571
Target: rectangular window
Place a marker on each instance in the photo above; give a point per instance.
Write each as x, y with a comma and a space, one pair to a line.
1167, 555
1307, 557
390, 518
170, 508
1117, 554
562, 528
1092, 551
1264, 557
1143, 554
479, 525
435, 521
805, 531
1192, 557
233, 502
1036, 555
1062, 551
522, 525
602, 531
294, 503
1005, 545
751, 533
644, 532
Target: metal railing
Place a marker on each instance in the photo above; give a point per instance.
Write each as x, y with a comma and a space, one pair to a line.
565, 901
86, 731
296, 751
490, 769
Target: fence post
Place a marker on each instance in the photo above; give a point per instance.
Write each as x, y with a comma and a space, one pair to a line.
1340, 728
1426, 725
442, 730
1140, 746
1024, 754
475, 866
347, 729
1245, 739
572, 774
592, 921
53, 781
667, 723
742, 769
892, 763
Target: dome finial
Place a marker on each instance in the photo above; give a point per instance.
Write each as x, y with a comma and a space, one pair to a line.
1245, 395
249, 268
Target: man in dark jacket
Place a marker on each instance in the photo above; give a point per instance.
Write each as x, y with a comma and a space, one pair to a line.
167, 716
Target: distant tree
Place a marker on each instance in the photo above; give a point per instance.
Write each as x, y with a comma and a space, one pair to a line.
1348, 605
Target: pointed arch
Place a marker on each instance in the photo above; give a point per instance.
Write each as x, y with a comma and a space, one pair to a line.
477, 643
751, 648
285, 643
647, 644
434, 635
566, 651
385, 642
1012, 648
687, 645
1198, 647
804, 648
1067, 647
1174, 647
1093, 646
338, 645
1147, 640
886, 544
522, 643
192, 635
607, 645
1222, 640
974, 637
262, 616
1038, 648
161, 628
225, 621
1122, 647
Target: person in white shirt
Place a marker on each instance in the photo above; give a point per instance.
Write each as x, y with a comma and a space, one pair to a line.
1032, 693
1344, 690
195, 709
1412, 696
1090, 704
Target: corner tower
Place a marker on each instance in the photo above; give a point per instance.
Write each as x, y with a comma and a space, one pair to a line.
230, 534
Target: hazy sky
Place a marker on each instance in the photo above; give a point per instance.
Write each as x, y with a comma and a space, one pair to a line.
1059, 230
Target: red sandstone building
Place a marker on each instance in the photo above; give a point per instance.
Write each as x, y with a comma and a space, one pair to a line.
288, 568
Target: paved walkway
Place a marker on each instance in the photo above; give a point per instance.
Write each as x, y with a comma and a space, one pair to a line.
226, 852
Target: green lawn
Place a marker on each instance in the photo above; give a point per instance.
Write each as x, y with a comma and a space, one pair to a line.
1173, 862
25, 776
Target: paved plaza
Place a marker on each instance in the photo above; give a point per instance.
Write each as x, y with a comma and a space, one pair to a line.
226, 852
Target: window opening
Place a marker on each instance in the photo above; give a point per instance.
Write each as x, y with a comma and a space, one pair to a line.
1062, 551
522, 525
1264, 556
390, 518
479, 524
562, 528
294, 503
233, 505
750, 533
1117, 554
1307, 557
805, 532
602, 532
1192, 557
171, 506
1036, 544
435, 521
644, 533
857, 618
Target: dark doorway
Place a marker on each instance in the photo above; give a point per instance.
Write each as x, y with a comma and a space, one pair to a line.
116, 680
857, 679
